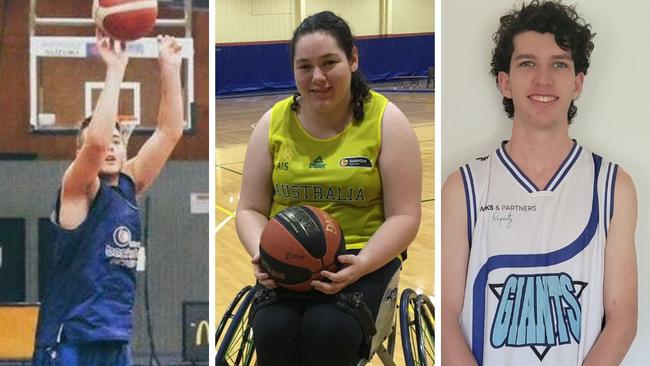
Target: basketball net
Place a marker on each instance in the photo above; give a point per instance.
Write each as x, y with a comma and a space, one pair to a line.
127, 125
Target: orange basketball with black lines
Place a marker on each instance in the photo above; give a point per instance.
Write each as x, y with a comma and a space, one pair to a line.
125, 20
298, 243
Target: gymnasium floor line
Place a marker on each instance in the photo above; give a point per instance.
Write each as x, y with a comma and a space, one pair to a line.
223, 223
228, 169
226, 211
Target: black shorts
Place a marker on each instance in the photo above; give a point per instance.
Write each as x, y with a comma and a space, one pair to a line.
307, 329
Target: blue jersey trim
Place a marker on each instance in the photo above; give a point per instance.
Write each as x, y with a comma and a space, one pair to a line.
612, 191
468, 203
530, 188
554, 182
606, 198
561, 165
528, 260
568, 167
471, 181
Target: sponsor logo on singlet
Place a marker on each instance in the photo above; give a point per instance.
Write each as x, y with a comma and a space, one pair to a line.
508, 207
317, 163
122, 236
504, 215
122, 251
355, 162
539, 311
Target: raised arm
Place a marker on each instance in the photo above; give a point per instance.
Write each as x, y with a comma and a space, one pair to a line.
80, 181
620, 286
455, 258
401, 176
147, 164
256, 195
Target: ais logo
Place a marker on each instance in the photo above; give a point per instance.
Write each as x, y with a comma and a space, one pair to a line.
539, 311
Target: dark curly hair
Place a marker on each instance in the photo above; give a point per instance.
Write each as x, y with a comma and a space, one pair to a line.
570, 31
336, 27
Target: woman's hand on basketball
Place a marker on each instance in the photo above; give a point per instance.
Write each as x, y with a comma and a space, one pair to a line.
169, 51
262, 276
112, 51
354, 267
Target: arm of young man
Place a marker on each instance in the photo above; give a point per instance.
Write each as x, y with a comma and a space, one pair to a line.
147, 164
401, 176
620, 286
255, 197
80, 181
455, 258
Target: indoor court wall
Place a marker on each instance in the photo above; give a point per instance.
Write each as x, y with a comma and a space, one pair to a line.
16, 137
247, 34
255, 21
363, 16
409, 16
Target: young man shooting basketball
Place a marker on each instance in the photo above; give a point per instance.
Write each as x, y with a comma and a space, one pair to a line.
86, 317
539, 264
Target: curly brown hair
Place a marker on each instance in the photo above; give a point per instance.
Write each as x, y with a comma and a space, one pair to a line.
569, 29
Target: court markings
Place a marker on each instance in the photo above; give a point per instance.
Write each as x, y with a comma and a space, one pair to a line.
223, 223
231, 215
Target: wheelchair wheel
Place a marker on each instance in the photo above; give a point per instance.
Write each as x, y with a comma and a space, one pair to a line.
417, 329
428, 338
228, 315
236, 348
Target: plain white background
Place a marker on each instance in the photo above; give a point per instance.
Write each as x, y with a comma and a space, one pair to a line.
612, 119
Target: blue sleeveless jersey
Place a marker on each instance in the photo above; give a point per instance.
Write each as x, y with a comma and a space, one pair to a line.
91, 291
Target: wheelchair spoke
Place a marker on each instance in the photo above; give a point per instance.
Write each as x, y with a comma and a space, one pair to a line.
427, 337
229, 314
237, 348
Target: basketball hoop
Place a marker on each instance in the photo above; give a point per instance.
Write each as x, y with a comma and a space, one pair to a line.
127, 125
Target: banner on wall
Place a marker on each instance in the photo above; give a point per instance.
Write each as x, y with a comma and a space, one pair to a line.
239, 69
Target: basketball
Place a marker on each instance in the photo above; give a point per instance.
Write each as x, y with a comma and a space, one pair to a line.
125, 20
298, 243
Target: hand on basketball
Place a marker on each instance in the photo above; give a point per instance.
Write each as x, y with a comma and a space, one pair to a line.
262, 276
112, 51
169, 51
354, 267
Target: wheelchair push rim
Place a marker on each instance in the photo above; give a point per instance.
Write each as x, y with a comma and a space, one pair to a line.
237, 346
417, 329
228, 315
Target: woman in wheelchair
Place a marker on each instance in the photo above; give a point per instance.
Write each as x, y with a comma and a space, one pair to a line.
301, 143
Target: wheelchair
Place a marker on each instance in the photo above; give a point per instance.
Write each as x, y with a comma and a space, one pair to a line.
234, 335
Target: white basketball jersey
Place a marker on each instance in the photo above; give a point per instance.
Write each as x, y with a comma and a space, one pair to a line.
534, 291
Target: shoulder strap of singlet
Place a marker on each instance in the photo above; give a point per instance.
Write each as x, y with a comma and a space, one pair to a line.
126, 189
607, 195
470, 200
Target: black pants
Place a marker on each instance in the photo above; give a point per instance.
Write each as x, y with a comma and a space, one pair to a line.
308, 330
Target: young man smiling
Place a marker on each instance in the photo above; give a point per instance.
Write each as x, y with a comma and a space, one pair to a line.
539, 264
